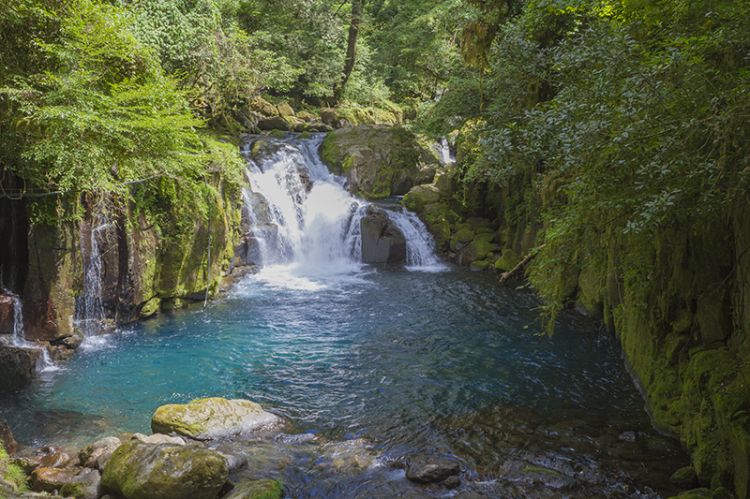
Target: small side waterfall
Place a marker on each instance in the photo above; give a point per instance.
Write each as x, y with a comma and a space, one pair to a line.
90, 317
300, 213
19, 337
420, 246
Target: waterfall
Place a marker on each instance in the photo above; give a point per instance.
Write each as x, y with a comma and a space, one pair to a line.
90, 315
420, 246
19, 337
301, 214
447, 157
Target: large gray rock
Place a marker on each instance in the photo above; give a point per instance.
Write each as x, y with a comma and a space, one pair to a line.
17, 366
274, 123
382, 241
422, 469
138, 470
212, 418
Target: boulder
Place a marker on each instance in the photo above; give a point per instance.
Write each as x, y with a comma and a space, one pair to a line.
97, 454
7, 314
138, 470
257, 489
17, 366
382, 241
421, 196
285, 110
378, 161
274, 123
212, 418
422, 469
262, 106
81, 483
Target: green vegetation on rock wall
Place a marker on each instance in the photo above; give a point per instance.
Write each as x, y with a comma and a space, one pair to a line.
610, 146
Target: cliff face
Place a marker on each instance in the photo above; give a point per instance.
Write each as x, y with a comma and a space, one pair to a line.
153, 253
678, 300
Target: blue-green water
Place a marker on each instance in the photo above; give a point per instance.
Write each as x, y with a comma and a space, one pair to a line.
411, 361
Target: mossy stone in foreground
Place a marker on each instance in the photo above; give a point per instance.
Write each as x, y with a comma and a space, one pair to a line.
257, 489
138, 470
211, 418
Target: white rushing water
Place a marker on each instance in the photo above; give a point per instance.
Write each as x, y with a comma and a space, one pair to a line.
19, 337
90, 316
304, 222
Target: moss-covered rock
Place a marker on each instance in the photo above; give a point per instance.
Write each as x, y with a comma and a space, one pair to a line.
212, 418
378, 162
508, 259
138, 470
421, 196
257, 489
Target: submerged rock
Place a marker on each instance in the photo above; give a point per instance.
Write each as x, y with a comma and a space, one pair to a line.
138, 470
382, 241
97, 454
212, 418
422, 469
81, 483
257, 489
17, 366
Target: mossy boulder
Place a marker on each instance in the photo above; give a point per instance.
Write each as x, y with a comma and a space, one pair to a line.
378, 161
421, 196
262, 106
480, 265
285, 110
257, 489
17, 366
138, 470
212, 418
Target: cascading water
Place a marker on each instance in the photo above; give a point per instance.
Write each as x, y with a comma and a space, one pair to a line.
19, 337
90, 316
301, 214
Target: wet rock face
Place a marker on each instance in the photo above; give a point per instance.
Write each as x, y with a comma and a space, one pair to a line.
97, 454
382, 241
212, 418
157, 471
17, 366
7, 316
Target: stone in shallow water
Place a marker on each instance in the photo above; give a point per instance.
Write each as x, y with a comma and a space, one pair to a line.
138, 470
423, 469
81, 483
257, 489
212, 418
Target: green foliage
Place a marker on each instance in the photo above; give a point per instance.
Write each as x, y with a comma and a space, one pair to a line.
86, 107
11, 473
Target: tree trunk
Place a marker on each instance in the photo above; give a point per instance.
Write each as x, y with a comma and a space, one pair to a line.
351, 49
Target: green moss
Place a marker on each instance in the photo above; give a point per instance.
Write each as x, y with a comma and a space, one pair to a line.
11, 473
258, 489
507, 260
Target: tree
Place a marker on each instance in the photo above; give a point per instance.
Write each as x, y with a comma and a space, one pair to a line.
351, 48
